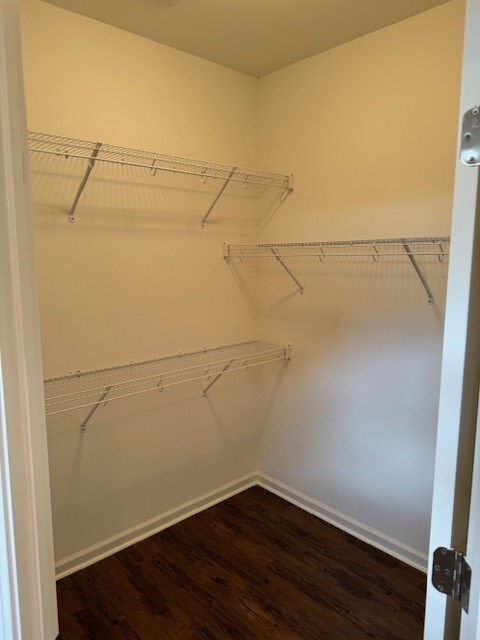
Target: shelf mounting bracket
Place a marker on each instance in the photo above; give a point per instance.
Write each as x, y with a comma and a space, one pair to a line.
289, 187
279, 259
83, 426
217, 377
91, 164
217, 197
419, 272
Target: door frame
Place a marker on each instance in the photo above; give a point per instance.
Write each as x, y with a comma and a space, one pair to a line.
454, 458
28, 608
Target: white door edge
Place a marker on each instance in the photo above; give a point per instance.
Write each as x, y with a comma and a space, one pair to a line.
27, 583
460, 360
470, 622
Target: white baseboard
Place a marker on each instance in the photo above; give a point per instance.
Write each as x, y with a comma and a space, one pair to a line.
357, 529
108, 547
116, 543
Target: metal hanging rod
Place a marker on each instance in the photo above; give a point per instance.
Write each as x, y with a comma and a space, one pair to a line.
375, 249
94, 152
95, 388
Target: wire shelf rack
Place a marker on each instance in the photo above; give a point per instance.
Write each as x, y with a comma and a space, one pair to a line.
92, 389
437, 247
155, 164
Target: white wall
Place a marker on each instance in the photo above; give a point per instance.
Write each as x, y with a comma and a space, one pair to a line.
134, 277
369, 131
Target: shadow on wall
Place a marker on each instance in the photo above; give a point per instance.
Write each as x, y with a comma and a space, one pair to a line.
354, 426
384, 294
123, 196
144, 455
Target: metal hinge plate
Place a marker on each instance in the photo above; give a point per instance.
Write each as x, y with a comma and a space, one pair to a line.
470, 144
452, 575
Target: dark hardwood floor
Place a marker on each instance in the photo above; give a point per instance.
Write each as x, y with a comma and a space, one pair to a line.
253, 567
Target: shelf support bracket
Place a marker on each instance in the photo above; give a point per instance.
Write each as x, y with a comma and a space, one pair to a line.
217, 197
91, 164
299, 285
83, 426
441, 252
289, 187
419, 272
217, 377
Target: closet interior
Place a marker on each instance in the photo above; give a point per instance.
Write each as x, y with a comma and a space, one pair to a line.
208, 327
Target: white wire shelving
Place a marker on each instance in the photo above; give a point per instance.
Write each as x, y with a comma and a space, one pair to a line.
377, 250
92, 389
156, 164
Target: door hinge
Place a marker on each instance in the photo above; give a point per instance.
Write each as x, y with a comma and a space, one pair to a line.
470, 143
452, 575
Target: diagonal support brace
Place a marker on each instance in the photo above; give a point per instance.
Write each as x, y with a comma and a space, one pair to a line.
299, 285
419, 272
217, 197
83, 426
91, 164
217, 377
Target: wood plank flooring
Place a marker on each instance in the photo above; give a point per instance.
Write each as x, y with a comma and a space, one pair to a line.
251, 568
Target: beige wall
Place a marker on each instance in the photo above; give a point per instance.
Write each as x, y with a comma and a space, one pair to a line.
369, 130
86, 79
136, 277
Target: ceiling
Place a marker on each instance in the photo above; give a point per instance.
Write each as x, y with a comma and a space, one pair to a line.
252, 36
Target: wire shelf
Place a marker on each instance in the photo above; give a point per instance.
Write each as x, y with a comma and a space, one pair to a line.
378, 249
155, 163
373, 249
94, 388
